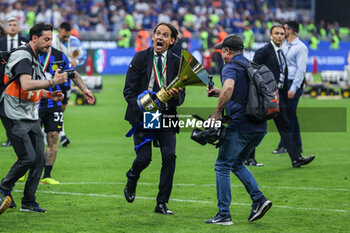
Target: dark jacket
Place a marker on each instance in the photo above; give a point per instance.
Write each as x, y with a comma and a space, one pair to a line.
3, 42
266, 55
137, 80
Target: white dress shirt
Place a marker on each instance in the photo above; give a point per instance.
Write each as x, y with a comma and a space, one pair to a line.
15, 42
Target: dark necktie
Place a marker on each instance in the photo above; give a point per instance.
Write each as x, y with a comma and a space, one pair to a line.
282, 64
11, 45
280, 58
159, 67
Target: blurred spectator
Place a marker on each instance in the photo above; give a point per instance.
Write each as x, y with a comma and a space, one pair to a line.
183, 39
203, 37
322, 30
129, 20
148, 19
106, 15
164, 17
344, 32
93, 16
335, 40
221, 34
124, 37
117, 19
314, 41
138, 19
18, 13
248, 37
142, 40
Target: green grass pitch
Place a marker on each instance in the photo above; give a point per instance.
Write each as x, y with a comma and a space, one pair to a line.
315, 198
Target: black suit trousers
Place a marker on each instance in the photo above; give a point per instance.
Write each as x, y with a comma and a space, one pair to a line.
285, 129
292, 105
167, 143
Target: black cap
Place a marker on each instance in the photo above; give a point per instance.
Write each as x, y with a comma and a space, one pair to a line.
232, 41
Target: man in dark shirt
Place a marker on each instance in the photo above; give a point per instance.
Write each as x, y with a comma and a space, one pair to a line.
242, 135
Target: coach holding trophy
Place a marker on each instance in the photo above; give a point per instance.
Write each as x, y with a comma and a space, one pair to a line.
151, 70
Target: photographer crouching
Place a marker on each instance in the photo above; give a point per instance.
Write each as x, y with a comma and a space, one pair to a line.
242, 135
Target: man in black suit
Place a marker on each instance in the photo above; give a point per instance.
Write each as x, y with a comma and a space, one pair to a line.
272, 56
13, 39
151, 69
10, 42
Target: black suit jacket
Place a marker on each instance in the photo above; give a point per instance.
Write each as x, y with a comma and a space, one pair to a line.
3, 42
137, 80
266, 55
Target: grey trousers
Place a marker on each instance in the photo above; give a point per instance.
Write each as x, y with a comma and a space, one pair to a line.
28, 143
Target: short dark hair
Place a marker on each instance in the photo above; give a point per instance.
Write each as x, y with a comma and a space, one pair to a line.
173, 30
293, 25
38, 28
66, 26
277, 26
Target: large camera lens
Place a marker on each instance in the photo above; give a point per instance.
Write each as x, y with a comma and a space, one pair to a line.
197, 135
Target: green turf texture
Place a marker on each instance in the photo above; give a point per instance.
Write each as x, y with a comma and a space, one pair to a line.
314, 198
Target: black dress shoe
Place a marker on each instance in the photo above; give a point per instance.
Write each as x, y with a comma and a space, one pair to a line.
253, 162
129, 191
162, 209
280, 150
7, 143
302, 161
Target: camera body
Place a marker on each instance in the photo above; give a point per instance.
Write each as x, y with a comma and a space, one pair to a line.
211, 135
60, 65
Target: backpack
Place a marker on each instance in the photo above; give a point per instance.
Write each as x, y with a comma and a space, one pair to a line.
263, 98
4, 57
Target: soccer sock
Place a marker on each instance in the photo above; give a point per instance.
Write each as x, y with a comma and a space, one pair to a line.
62, 133
47, 172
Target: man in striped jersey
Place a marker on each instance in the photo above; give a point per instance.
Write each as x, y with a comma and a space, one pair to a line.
51, 113
71, 47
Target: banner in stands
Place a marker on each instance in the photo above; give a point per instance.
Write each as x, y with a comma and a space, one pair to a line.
328, 59
113, 61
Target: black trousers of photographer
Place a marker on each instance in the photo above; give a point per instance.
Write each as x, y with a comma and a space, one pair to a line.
28, 142
167, 144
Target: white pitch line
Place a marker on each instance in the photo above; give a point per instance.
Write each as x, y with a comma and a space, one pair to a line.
183, 200
210, 185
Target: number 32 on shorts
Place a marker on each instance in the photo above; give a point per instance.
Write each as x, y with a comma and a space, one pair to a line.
58, 116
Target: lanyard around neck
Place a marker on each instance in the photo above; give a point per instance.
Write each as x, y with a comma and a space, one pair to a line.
47, 60
159, 74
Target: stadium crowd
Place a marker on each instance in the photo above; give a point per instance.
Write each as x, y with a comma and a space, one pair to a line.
101, 16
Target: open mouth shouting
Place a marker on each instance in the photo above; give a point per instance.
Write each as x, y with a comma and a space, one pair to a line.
162, 39
159, 46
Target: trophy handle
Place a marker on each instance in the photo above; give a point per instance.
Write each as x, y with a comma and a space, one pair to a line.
176, 84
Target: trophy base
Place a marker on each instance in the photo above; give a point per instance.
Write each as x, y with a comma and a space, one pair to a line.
163, 95
148, 103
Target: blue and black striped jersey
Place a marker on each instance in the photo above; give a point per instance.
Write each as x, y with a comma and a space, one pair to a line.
56, 55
